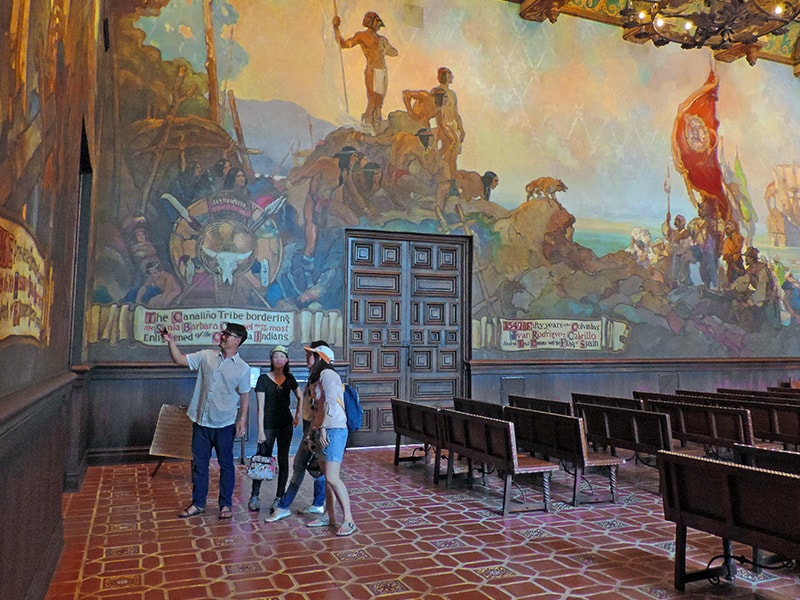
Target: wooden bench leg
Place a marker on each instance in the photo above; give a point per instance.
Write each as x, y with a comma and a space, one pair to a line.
546, 491
437, 463
612, 477
729, 567
397, 449
507, 493
680, 557
450, 468
576, 486
758, 560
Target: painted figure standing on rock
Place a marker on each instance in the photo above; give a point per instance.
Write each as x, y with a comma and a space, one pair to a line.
376, 48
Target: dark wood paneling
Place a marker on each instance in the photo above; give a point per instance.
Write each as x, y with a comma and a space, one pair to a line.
33, 426
123, 406
77, 432
123, 402
557, 380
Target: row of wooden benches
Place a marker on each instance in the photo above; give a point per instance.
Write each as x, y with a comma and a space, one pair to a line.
752, 500
643, 426
772, 418
566, 437
734, 510
509, 443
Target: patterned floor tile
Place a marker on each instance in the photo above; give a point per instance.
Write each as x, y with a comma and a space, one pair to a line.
754, 577
121, 581
494, 572
415, 540
382, 588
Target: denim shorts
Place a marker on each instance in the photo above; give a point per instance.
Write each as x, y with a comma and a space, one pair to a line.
337, 440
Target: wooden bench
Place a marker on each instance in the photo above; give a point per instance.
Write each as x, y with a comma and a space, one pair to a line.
643, 432
421, 423
738, 503
773, 421
741, 395
553, 406
563, 437
774, 460
478, 407
712, 426
631, 403
766, 458
789, 391
493, 442
787, 395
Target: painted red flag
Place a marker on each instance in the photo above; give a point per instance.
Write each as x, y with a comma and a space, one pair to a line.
695, 143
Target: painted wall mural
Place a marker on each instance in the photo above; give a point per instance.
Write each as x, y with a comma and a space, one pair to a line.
625, 201
45, 48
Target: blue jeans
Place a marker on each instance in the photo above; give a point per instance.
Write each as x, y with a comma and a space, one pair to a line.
284, 439
298, 474
204, 439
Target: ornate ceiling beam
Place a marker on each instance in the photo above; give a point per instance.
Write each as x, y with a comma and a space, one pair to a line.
782, 48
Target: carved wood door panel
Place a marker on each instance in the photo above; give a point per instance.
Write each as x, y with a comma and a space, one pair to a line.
407, 322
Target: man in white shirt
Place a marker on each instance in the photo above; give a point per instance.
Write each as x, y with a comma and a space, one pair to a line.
218, 411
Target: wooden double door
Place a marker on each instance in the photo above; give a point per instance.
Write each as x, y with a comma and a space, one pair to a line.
407, 322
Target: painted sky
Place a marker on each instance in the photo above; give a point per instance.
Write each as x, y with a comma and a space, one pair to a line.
571, 100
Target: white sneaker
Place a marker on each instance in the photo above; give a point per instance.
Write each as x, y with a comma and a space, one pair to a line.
322, 521
313, 510
280, 513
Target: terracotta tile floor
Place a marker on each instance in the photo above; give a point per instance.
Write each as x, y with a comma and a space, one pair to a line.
415, 540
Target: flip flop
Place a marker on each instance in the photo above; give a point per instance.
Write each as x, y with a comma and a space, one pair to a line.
346, 529
225, 512
191, 511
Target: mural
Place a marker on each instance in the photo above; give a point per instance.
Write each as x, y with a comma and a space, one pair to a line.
41, 44
614, 192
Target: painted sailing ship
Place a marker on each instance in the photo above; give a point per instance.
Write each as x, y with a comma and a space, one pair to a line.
782, 197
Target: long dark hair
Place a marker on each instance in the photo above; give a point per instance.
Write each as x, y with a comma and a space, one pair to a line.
320, 364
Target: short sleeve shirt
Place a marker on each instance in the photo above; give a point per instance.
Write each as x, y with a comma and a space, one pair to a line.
329, 390
220, 381
277, 400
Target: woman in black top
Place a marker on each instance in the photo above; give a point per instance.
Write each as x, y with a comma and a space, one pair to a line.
275, 421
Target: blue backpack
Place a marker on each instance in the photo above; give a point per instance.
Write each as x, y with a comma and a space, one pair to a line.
352, 407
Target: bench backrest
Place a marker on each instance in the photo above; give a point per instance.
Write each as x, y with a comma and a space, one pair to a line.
416, 421
743, 395
553, 406
774, 421
766, 458
745, 504
553, 435
785, 395
789, 391
478, 407
637, 430
705, 423
482, 439
632, 403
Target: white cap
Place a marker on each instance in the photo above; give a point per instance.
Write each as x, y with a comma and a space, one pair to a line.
325, 353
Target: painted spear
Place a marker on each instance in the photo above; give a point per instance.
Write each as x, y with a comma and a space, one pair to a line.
341, 64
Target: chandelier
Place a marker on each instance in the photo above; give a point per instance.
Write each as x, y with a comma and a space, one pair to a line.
718, 24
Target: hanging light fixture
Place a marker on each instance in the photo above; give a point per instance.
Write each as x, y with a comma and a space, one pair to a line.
718, 24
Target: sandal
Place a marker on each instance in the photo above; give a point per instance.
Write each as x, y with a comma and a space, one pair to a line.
346, 529
191, 511
225, 512
323, 521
